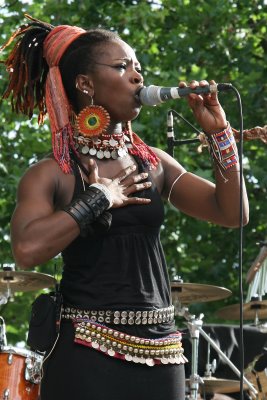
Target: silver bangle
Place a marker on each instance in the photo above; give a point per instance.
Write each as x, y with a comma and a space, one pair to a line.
174, 182
106, 192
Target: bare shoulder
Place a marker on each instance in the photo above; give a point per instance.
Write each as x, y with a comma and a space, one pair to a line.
44, 172
45, 179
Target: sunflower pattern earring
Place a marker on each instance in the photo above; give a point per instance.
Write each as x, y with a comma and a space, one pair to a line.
92, 120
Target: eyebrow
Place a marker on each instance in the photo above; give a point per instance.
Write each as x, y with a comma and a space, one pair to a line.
128, 59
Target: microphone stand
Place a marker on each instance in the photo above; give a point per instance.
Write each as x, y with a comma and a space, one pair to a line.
171, 141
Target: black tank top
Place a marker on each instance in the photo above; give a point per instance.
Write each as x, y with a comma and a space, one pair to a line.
124, 268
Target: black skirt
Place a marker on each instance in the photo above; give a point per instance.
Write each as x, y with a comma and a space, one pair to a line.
76, 372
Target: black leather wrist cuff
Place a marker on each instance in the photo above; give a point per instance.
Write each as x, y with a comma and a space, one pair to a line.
87, 208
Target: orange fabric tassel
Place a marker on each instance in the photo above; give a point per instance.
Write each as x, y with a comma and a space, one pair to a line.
58, 106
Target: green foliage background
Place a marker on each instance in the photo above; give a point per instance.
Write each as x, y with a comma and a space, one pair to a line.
174, 40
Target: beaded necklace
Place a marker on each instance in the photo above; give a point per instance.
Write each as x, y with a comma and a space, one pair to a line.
105, 145
114, 146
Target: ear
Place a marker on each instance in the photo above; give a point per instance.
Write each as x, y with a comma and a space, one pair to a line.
85, 84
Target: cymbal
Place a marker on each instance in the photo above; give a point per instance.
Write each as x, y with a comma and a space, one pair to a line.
24, 281
216, 385
251, 310
187, 293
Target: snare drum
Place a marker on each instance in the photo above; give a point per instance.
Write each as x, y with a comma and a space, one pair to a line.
20, 371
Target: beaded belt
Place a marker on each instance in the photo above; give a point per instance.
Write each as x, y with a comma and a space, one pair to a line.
166, 350
123, 317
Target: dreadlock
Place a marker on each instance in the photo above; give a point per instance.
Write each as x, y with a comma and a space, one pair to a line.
27, 68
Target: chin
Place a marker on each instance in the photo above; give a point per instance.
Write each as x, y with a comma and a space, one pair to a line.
136, 113
129, 115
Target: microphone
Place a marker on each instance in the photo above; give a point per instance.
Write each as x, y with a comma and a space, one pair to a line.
154, 95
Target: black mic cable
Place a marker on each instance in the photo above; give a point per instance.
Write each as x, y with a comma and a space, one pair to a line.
171, 143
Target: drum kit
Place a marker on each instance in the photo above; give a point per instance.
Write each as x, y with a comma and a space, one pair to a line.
185, 294
20, 368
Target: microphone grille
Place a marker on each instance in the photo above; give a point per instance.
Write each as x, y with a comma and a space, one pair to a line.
149, 96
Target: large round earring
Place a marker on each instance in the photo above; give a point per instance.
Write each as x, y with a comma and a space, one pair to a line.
92, 120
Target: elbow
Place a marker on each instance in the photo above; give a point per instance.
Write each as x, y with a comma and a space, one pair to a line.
246, 220
236, 223
24, 255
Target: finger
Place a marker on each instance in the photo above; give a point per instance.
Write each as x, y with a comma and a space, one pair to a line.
136, 200
182, 84
195, 99
135, 178
93, 170
124, 173
203, 83
214, 95
193, 84
136, 187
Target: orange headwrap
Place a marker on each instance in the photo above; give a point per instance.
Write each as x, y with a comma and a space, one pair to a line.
57, 103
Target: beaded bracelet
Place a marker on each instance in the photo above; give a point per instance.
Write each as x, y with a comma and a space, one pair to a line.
223, 149
87, 208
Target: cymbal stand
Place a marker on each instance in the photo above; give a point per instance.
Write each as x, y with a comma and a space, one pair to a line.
8, 269
210, 366
257, 323
3, 300
195, 327
3, 339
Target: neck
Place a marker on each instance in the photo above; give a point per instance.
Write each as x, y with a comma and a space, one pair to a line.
114, 128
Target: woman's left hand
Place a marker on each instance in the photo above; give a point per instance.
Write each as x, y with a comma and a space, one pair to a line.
206, 108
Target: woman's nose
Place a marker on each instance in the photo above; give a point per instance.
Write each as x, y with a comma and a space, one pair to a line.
137, 77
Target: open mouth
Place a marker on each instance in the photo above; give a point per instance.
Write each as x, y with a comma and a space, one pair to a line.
137, 97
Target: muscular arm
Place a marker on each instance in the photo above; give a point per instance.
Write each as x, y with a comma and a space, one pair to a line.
39, 231
199, 198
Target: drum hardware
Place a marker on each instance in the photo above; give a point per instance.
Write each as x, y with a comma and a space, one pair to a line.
20, 373
216, 385
3, 299
255, 310
33, 369
8, 294
262, 327
3, 339
195, 327
210, 366
23, 281
188, 293
21, 369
